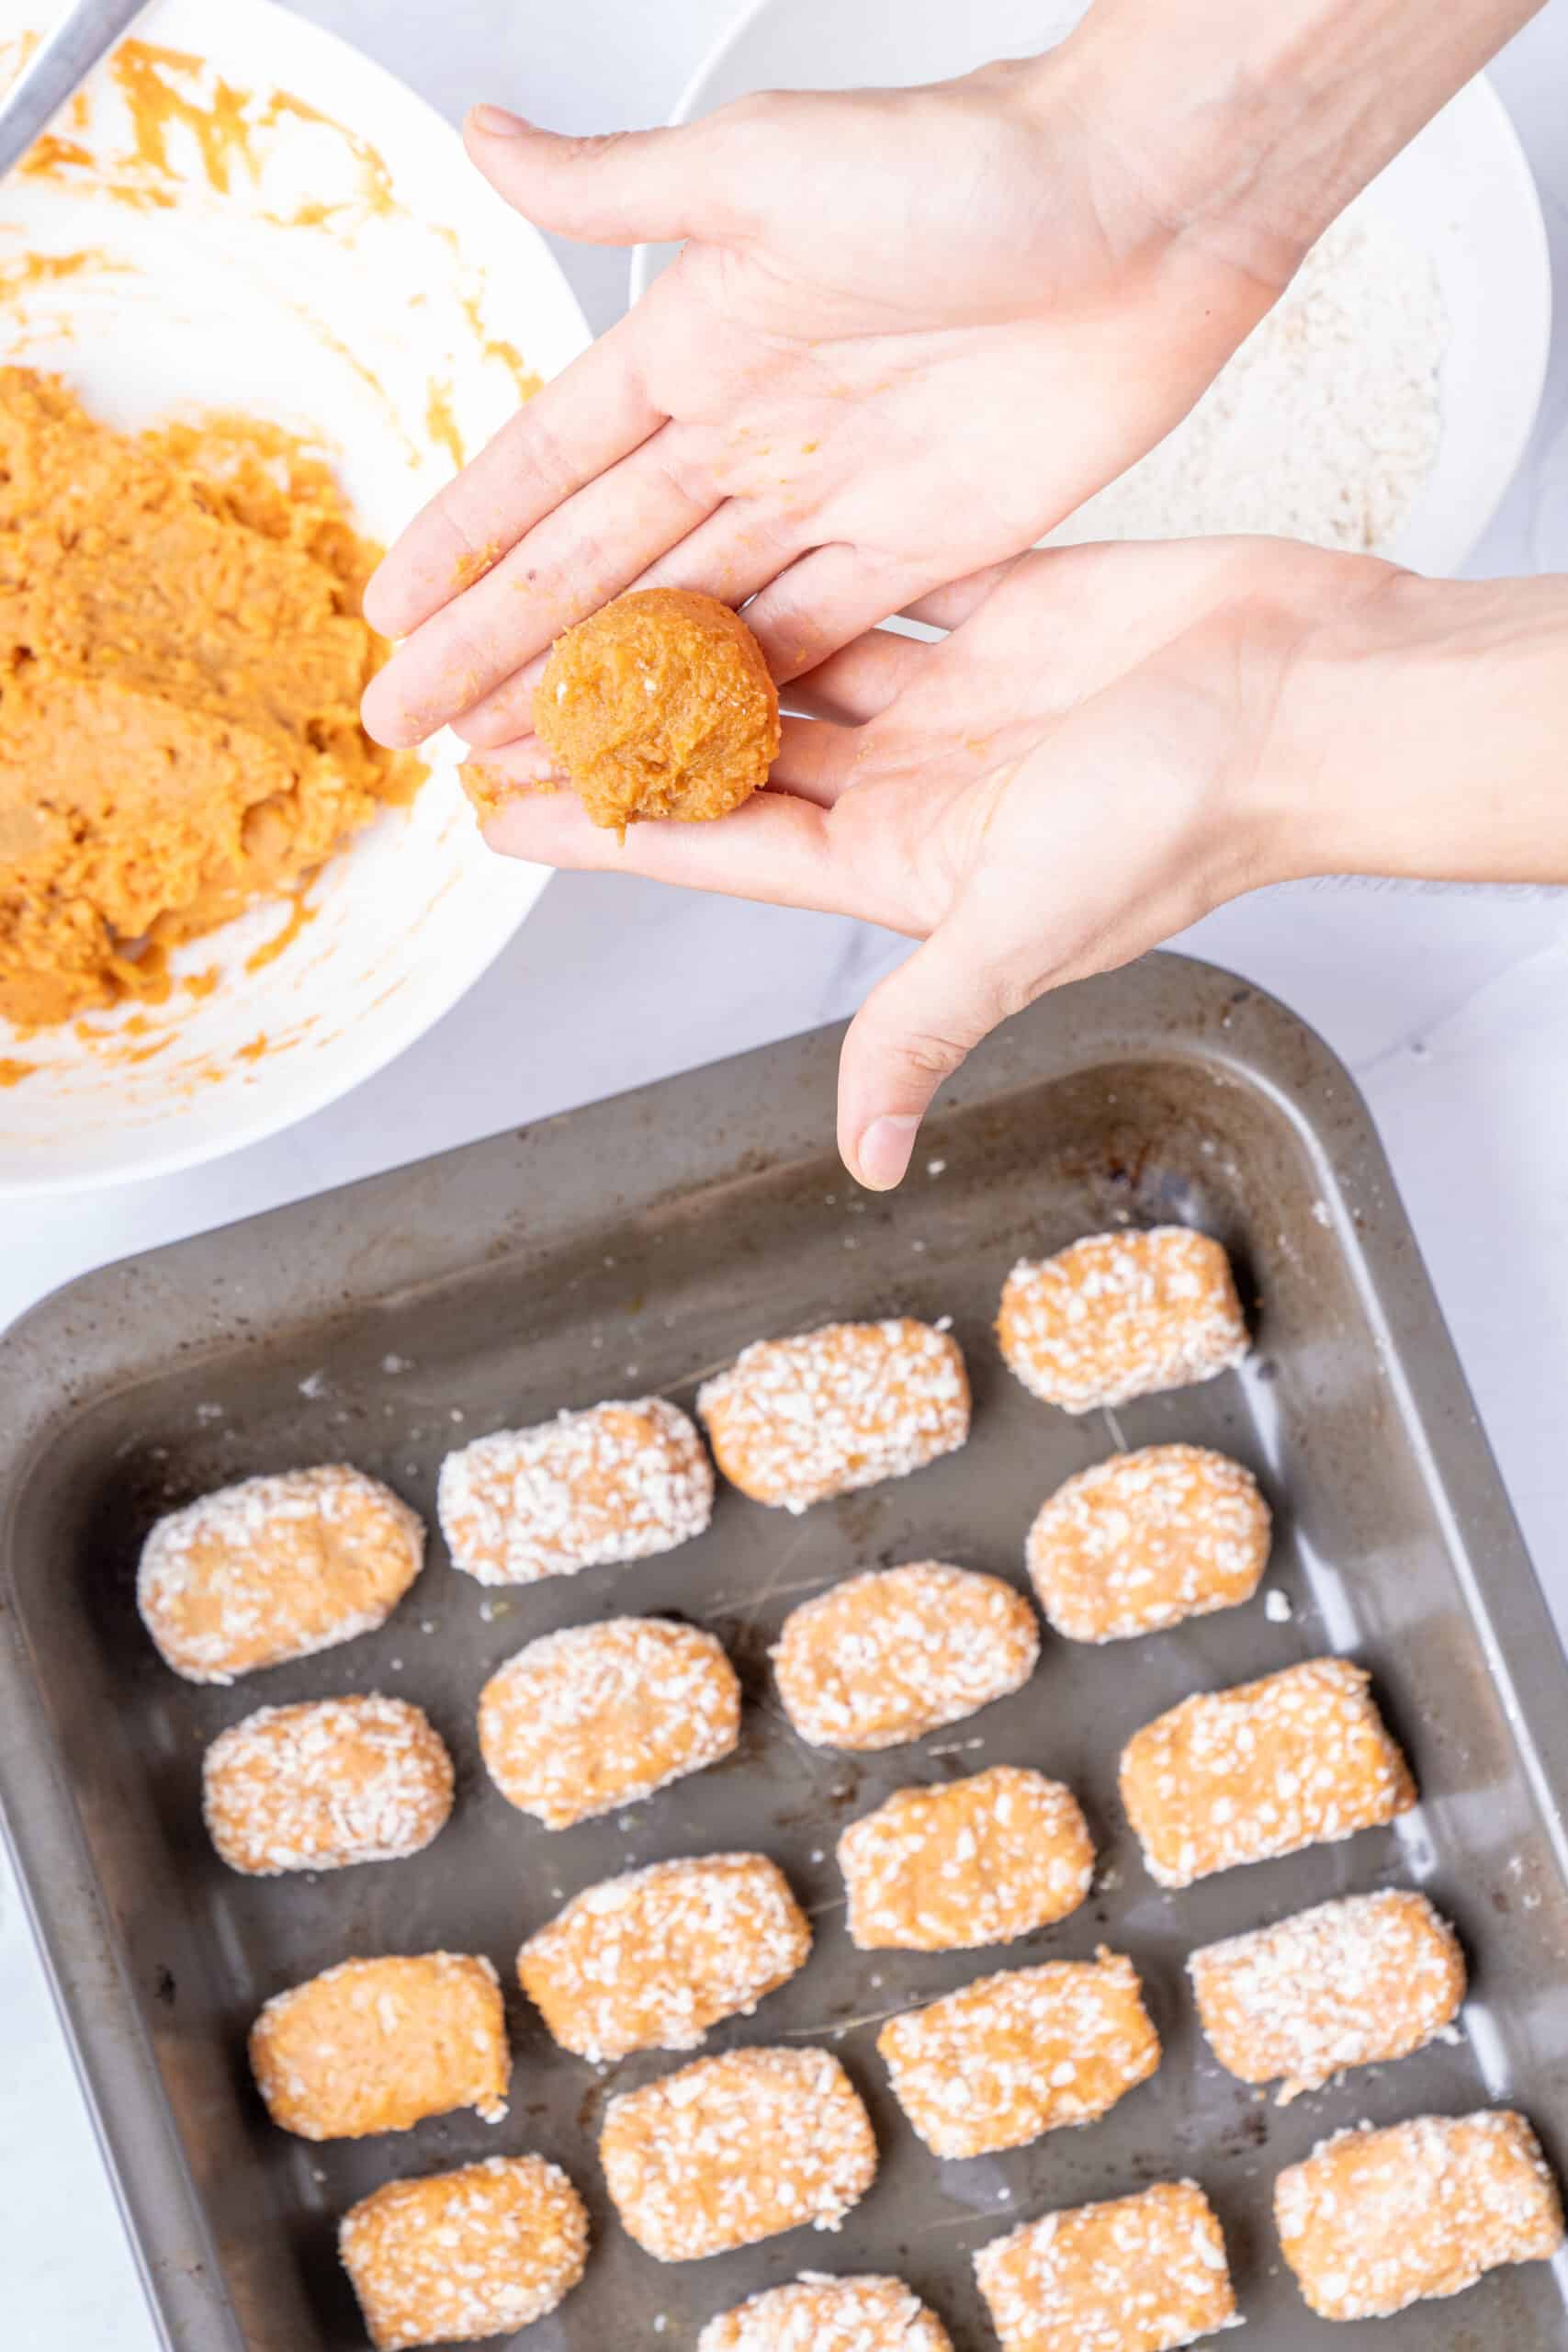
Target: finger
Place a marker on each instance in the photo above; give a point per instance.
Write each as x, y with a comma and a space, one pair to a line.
816, 759
776, 848
521, 767
949, 607
576, 560
910, 1034
823, 602
816, 762
595, 413
859, 684
731, 556
853, 686
738, 550
505, 715
619, 189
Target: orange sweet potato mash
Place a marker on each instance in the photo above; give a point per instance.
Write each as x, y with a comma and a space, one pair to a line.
659, 705
181, 662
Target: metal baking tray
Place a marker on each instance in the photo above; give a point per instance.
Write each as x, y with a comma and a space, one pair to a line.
634, 1246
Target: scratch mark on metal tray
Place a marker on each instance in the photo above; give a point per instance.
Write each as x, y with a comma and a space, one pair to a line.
839, 2027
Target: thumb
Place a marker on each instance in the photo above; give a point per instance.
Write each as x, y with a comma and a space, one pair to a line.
622, 188
911, 1033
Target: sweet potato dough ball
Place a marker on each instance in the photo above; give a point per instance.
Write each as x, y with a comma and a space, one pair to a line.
659, 705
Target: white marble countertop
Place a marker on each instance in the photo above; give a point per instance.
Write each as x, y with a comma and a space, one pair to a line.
1451, 1010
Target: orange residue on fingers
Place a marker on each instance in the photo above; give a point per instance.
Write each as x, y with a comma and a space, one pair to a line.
489, 793
486, 791
13, 1073
474, 563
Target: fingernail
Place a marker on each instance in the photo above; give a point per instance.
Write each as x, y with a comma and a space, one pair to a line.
496, 123
882, 1153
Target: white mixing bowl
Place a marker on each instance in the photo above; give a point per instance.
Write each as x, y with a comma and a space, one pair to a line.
328, 260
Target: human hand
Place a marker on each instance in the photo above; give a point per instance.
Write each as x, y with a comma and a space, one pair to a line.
911, 331
1111, 742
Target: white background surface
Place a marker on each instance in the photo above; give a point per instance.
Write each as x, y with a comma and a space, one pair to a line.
1452, 1010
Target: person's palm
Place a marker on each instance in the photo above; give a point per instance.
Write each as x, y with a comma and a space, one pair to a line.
909, 333
1083, 766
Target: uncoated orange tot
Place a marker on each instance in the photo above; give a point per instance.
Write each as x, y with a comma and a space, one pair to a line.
659, 705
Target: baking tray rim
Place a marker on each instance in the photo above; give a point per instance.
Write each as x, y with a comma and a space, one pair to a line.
1166, 1007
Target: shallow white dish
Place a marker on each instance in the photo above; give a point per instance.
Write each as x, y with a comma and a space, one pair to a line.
1461, 193
394, 324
